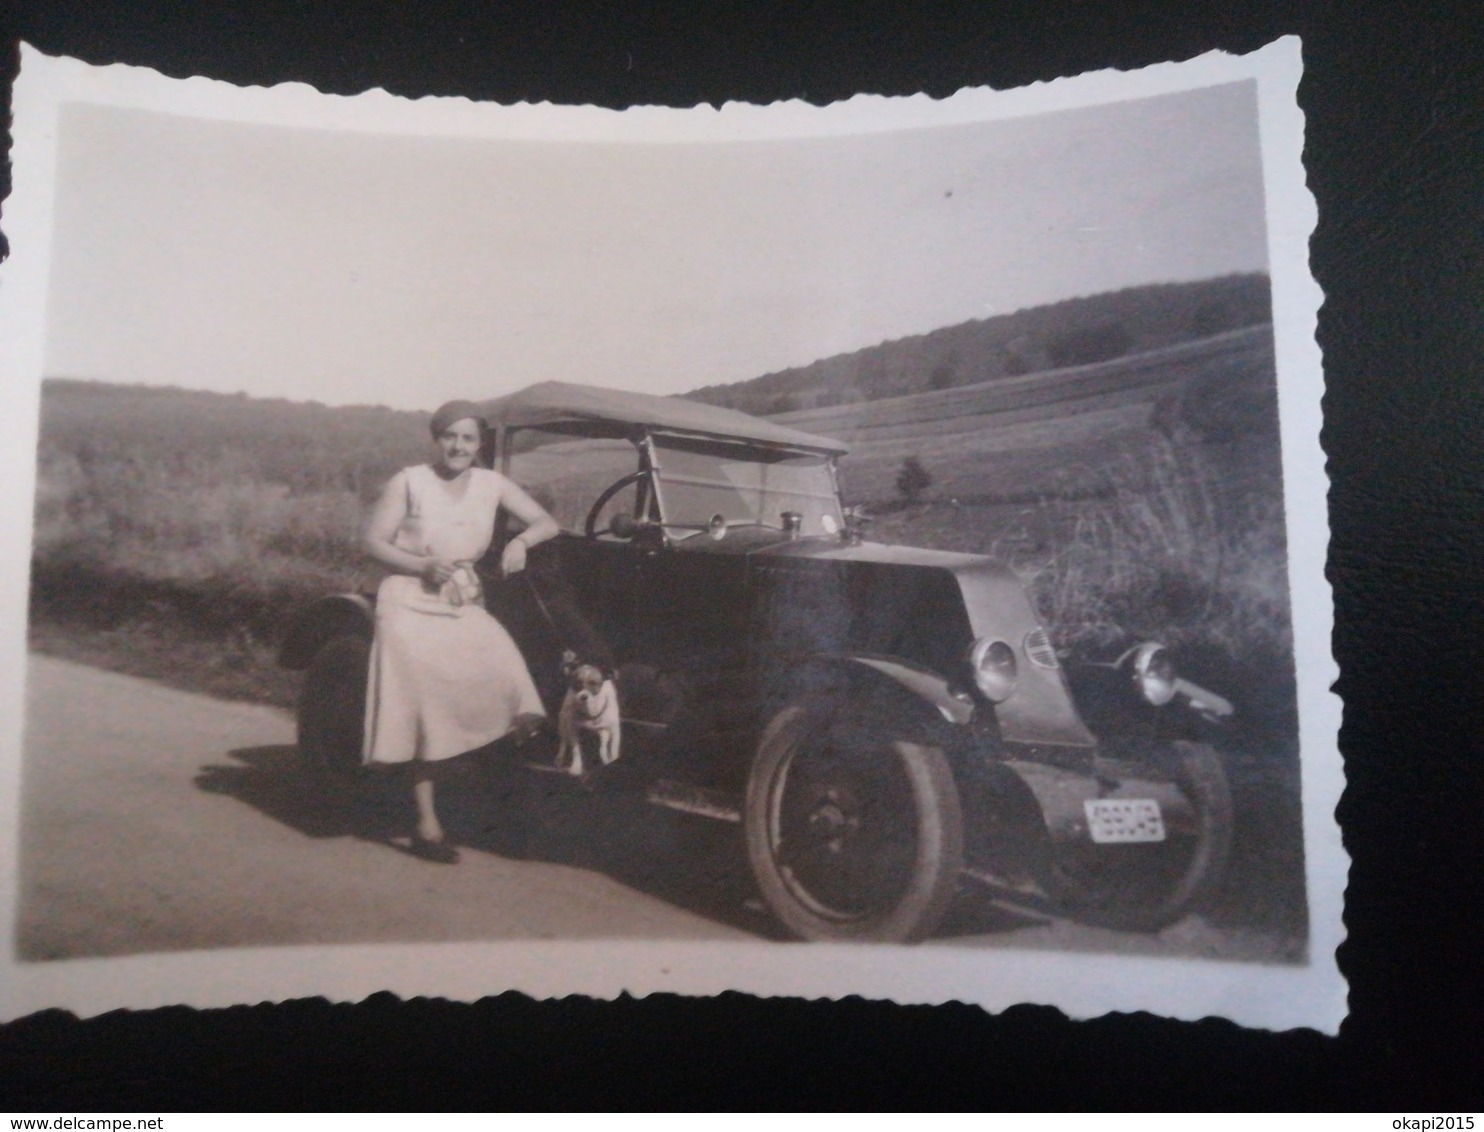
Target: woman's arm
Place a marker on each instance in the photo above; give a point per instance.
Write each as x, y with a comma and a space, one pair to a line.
381, 529
539, 526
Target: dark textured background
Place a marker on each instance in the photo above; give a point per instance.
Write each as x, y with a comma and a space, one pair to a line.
1395, 108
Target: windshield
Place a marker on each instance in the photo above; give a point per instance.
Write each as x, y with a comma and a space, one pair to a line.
566, 474
699, 479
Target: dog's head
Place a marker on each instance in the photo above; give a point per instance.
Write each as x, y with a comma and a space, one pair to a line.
586, 680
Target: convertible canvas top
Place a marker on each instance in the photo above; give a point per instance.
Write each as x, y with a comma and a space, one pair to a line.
586, 409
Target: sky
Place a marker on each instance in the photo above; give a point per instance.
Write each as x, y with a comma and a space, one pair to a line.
355, 268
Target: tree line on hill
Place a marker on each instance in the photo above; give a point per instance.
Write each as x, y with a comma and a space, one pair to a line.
1074, 332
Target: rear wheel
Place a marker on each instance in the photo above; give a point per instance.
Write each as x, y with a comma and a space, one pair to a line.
1146, 887
853, 833
332, 706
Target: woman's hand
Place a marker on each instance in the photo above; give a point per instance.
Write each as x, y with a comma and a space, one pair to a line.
513, 560
436, 571
539, 526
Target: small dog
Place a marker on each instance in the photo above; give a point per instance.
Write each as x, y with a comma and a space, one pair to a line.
589, 709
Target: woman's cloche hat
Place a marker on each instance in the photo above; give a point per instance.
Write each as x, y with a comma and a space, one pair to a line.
446, 415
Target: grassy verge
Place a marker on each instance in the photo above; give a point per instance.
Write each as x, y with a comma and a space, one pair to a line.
164, 649
212, 639
183, 571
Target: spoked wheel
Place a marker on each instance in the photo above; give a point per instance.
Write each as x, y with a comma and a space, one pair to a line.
853, 833
1148, 886
332, 706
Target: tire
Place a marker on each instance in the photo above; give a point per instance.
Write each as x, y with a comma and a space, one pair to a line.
332, 706
1147, 887
853, 833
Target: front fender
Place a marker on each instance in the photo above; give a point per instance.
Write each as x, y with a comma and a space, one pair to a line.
1061, 794
327, 618
916, 697
926, 685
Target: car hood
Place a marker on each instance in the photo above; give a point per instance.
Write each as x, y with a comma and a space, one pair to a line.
886, 553
770, 542
995, 605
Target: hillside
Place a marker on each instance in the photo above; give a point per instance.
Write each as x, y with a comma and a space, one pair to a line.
1071, 333
305, 446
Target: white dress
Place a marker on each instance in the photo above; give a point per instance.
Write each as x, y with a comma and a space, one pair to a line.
445, 676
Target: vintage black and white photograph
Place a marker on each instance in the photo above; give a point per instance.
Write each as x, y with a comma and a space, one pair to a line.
865, 549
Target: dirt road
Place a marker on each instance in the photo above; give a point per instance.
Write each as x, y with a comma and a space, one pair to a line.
159, 820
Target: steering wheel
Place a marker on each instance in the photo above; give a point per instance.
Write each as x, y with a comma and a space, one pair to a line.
590, 527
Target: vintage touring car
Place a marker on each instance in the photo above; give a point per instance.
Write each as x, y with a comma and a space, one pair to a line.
886, 723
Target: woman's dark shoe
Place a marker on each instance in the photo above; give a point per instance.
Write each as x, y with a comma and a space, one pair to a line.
439, 852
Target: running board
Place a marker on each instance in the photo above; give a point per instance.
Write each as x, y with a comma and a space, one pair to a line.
1001, 884
700, 800
548, 768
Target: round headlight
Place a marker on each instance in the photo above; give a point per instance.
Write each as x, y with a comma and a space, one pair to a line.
1154, 675
994, 669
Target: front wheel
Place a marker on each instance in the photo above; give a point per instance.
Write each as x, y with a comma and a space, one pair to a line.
853, 833
1146, 887
332, 706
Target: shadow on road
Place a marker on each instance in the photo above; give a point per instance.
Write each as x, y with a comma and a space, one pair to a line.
690, 862
697, 864
275, 781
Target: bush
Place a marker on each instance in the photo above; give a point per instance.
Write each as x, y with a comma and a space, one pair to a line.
913, 479
1098, 343
1167, 554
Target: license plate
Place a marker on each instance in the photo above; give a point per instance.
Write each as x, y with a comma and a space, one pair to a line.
1121, 821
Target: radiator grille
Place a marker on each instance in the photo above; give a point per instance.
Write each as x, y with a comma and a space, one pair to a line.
1038, 648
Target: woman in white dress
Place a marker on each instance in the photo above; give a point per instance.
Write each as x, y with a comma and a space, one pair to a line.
446, 677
